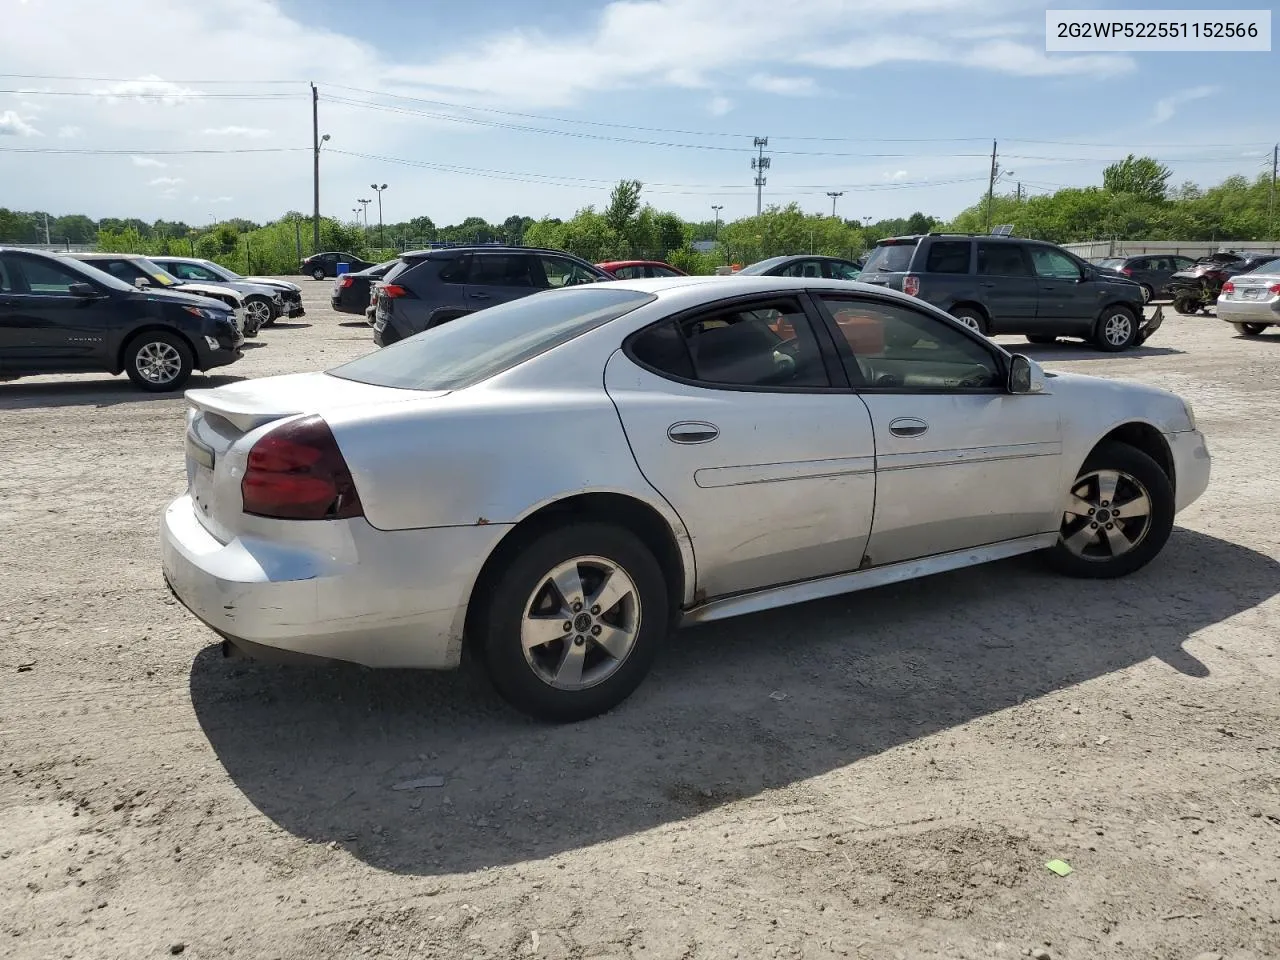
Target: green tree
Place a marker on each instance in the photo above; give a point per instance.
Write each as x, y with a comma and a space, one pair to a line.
624, 206
1143, 177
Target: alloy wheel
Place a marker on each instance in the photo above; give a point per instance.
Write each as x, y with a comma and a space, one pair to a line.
1118, 329
1107, 515
158, 362
259, 311
970, 322
580, 623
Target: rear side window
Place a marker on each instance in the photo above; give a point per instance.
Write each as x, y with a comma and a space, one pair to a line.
500, 270
455, 355
1002, 260
890, 258
453, 271
948, 256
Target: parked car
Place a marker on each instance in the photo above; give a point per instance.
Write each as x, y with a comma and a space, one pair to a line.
1151, 271
1251, 301
286, 297
562, 478
430, 287
58, 315
999, 285
639, 269
351, 291
1198, 286
833, 268
141, 272
321, 265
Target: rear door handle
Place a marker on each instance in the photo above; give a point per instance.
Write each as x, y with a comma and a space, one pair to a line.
480, 296
908, 427
987, 283
692, 431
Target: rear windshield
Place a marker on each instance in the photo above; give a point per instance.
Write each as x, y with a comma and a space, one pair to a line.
1112, 264
890, 258
399, 267
485, 344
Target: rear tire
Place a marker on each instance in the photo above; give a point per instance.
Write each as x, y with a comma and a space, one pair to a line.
158, 362
559, 678
1041, 338
1250, 329
1117, 330
1147, 294
1106, 544
1186, 306
318, 273
971, 318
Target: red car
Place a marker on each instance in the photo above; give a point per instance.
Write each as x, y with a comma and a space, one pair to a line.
640, 269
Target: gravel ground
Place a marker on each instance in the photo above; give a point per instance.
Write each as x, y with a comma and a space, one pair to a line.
882, 775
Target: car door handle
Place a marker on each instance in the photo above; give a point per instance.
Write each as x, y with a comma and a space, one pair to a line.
908, 427
479, 296
692, 431
987, 283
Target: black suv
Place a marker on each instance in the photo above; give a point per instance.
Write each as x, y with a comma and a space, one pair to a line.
1002, 285
58, 315
430, 287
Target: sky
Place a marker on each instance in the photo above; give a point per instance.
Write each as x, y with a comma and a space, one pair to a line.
202, 111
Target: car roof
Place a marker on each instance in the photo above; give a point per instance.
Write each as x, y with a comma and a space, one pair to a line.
445, 252
633, 263
736, 284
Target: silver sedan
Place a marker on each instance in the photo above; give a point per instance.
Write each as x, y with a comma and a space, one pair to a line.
1251, 301
561, 480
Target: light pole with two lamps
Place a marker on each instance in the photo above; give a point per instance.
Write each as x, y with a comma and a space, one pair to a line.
374, 186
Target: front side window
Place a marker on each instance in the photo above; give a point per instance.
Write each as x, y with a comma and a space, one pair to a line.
839, 270
563, 272
121, 269
622, 273
1001, 260
948, 256
1054, 264
193, 271
665, 272
895, 347
500, 270
453, 356
769, 344
803, 268
6, 278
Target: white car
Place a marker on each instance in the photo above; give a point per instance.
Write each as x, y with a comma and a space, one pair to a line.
562, 479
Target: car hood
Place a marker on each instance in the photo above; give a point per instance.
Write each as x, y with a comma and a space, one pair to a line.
1162, 409
199, 289
186, 299
270, 282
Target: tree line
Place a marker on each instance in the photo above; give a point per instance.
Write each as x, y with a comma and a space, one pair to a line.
1133, 201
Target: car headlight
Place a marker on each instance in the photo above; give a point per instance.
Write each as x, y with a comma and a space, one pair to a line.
1191, 414
208, 314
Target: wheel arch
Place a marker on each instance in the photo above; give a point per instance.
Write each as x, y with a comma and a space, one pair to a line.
1145, 437
669, 545
445, 314
133, 334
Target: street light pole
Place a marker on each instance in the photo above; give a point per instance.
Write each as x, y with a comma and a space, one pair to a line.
717, 207
365, 205
833, 194
381, 241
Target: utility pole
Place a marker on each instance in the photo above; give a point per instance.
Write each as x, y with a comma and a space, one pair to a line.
991, 184
833, 194
1019, 191
1271, 210
315, 144
381, 241
760, 164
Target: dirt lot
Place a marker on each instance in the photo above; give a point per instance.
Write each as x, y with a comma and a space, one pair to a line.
879, 776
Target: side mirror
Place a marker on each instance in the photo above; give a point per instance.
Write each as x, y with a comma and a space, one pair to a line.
82, 290
1025, 375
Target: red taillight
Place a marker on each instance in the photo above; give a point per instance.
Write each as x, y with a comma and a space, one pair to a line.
1127, 271
1228, 287
393, 290
297, 472
345, 282
911, 285
1274, 288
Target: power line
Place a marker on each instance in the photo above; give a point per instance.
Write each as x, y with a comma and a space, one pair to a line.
179, 94
148, 153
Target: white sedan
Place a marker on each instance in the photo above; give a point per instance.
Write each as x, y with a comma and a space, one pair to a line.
562, 480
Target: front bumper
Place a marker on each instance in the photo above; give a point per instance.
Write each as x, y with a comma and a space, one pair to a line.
1191, 467
348, 592
1249, 311
1149, 325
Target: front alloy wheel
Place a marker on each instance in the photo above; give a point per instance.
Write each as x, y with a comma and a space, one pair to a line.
158, 361
259, 311
1117, 330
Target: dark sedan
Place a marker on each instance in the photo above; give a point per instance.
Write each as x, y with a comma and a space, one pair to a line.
829, 268
351, 292
321, 265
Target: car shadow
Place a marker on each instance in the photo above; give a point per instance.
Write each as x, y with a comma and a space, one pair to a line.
731, 709
252, 344
286, 325
1067, 350
96, 393
354, 323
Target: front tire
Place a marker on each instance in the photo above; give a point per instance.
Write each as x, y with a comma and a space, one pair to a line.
1250, 329
571, 622
1117, 330
1118, 515
317, 273
1187, 306
158, 362
261, 310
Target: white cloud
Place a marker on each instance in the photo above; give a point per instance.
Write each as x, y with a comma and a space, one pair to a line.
784, 86
221, 199
12, 125
719, 106
148, 89
147, 162
255, 133
1001, 55
165, 181
896, 175
69, 132
1168, 106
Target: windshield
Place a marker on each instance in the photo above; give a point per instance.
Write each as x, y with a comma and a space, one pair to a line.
1271, 266
220, 270
485, 344
156, 272
890, 258
764, 265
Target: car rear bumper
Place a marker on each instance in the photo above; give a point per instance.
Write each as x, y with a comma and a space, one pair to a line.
1191, 467
1249, 311
367, 596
